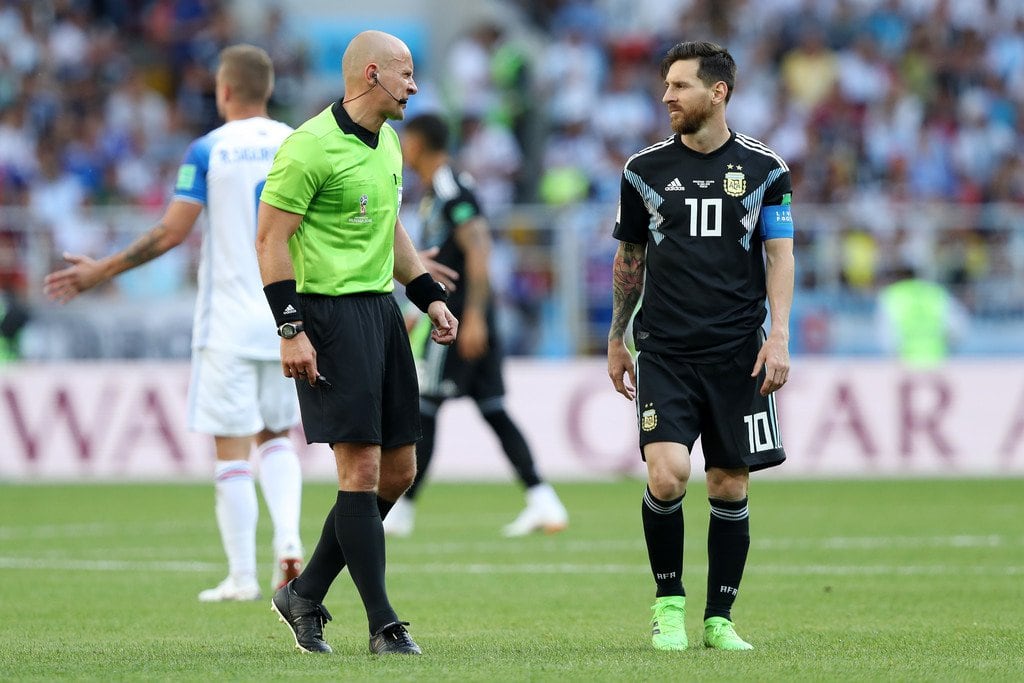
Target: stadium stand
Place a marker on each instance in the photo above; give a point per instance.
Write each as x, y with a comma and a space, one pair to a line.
901, 119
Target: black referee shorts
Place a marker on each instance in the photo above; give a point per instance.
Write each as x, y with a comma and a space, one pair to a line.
362, 349
719, 402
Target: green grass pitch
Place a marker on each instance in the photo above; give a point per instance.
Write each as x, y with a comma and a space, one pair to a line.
857, 580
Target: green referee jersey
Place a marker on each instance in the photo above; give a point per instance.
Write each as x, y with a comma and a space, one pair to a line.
347, 184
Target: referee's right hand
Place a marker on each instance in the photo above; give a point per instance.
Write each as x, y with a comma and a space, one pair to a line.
298, 358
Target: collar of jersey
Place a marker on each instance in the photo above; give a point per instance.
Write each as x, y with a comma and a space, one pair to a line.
349, 126
705, 155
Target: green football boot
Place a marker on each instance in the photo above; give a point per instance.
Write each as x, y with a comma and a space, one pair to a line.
720, 634
668, 625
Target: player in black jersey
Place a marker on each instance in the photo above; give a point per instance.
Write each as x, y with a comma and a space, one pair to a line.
455, 226
706, 235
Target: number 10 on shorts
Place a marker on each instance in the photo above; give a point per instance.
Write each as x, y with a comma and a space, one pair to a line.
759, 432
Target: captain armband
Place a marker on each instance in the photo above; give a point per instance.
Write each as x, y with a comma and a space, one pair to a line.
776, 222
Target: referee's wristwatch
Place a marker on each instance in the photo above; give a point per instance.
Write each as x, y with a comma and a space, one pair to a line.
290, 330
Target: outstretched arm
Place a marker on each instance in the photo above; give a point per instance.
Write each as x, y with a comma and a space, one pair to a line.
627, 286
85, 273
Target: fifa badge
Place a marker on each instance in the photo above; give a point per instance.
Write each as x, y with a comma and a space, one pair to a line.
363, 201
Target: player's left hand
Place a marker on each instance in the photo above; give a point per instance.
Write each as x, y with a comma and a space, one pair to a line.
774, 358
621, 368
446, 327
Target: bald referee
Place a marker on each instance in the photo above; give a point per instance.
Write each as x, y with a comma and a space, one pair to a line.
330, 246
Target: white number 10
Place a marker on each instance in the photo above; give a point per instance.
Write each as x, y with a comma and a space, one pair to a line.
759, 433
710, 212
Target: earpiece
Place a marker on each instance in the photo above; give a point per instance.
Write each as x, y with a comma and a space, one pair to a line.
374, 75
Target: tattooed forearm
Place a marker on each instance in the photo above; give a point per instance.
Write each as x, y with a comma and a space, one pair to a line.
147, 247
627, 285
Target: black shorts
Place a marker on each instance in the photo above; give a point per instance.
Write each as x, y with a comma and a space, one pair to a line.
445, 374
678, 401
362, 349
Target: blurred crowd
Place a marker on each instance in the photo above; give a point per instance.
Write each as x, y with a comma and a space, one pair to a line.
900, 120
98, 101
884, 109
906, 99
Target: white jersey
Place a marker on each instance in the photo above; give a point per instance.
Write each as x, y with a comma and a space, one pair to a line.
225, 171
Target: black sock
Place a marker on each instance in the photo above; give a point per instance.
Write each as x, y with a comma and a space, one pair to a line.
514, 445
425, 446
663, 529
324, 565
327, 560
384, 506
728, 543
361, 537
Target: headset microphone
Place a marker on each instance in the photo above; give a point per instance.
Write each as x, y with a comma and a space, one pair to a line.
376, 81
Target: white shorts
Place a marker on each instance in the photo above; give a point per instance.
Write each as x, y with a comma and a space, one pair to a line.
232, 396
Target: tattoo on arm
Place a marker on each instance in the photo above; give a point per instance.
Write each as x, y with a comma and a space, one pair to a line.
627, 286
147, 247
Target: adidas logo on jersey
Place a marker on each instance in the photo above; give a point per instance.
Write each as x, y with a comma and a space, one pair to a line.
289, 309
675, 186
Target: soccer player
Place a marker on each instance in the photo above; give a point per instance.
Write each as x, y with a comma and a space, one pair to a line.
330, 245
453, 223
236, 393
695, 212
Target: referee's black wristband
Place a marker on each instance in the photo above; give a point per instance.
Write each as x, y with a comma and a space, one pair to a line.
284, 301
424, 290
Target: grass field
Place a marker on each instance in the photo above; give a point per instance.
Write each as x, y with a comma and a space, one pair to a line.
865, 580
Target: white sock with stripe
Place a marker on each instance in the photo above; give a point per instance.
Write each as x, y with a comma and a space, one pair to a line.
281, 483
237, 513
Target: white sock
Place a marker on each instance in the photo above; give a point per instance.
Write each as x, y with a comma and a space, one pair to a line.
281, 483
237, 512
541, 494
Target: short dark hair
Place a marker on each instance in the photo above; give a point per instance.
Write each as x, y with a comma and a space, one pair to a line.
249, 71
715, 62
432, 129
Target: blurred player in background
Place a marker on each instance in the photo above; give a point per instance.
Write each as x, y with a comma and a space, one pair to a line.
453, 224
918, 320
237, 393
698, 214
330, 245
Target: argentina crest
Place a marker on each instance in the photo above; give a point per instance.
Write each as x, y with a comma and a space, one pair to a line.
648, 418
735, 182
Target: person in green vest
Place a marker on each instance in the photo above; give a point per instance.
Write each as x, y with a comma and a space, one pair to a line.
918, 320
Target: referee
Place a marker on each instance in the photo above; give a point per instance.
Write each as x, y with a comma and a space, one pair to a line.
330, 244
700, 215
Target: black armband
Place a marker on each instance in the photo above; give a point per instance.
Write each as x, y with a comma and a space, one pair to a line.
284, 301
425, 290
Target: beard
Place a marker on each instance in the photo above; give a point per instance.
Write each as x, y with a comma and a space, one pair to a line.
690, 121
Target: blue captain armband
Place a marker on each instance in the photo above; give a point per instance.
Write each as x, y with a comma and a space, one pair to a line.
776, 222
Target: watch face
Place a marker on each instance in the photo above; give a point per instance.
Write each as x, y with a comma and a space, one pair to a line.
289, 330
